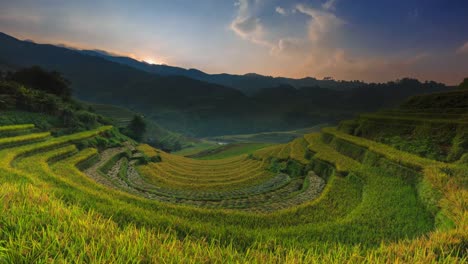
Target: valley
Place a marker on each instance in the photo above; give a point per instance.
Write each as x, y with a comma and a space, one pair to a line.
240, 131
334, 186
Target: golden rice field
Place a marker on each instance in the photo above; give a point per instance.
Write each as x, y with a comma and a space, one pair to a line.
327, 197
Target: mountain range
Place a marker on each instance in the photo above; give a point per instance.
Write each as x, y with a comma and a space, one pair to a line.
200, 104
249, 83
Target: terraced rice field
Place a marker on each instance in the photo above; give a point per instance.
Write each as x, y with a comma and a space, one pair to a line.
122, 116
357, 200
229, 150
434, 126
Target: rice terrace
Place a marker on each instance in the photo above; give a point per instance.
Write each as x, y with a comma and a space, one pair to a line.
105, 158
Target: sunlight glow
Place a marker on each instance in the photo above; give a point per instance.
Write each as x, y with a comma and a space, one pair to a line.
150, 61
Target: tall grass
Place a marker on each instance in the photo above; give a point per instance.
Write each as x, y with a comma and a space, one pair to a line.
52, 212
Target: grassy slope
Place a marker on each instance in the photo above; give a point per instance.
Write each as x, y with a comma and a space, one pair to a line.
268, 137
242, 144
433, 126
89, 226
229, 150
155, 134
197, 147
121, 115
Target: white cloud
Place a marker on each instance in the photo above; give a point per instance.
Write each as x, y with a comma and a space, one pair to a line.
243, 6
342, 65
248, 28
318, 51
321, 52
463, 49
247, 25
290, 47
329, 5
321, 23
281, 11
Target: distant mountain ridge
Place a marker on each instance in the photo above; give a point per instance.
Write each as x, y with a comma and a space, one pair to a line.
204, 108
249, 83
99, 80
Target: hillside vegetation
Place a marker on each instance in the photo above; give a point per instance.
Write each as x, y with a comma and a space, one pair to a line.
433, 126
329, 197
204, 109
155, 135
268, 137
228, 150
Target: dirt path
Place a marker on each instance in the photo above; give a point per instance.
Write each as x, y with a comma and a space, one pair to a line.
316, 186
93, 171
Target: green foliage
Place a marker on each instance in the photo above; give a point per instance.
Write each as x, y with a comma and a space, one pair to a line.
291, 167
439, 136
109, 139
388, 152
268, 137
39, 79
143, 159
294, 168
41, 121
17, 96
45, 110
464, 84
433, 125
136, 129
195, 147
251, 156
155, 135
276, 165
440, 102
308, 154
459, 144
425, 147
464, 159
156, 158
97, 142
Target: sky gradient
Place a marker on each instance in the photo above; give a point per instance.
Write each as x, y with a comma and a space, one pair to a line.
351, 40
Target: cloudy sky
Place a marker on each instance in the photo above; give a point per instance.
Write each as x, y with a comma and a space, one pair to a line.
347, 39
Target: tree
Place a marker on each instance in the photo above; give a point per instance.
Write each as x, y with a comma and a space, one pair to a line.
137, 128
177, 146
464, 84
37, 78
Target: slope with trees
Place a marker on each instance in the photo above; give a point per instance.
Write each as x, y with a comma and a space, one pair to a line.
198, 108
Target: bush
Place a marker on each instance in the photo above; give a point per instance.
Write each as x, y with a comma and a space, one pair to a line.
71, 115
136, 129
464, 84
39, 79
156, 158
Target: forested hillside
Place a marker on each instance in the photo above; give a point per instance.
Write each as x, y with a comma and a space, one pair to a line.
198, 108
